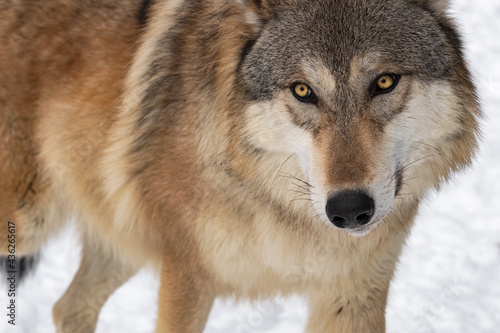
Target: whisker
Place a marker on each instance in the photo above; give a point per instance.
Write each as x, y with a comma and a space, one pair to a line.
316, 217
440, 152
297, 199
287, 175
302, 187
299, 192
278, 172
405, 167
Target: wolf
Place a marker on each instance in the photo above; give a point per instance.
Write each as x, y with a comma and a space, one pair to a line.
242, 148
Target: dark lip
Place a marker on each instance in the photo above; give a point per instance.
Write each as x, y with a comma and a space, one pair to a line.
364, 228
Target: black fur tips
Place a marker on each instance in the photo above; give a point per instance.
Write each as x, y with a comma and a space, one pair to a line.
18, 269
143, 14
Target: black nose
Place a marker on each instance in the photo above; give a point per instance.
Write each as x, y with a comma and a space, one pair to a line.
350, 209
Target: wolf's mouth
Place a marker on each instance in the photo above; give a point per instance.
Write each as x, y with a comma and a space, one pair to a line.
363, 230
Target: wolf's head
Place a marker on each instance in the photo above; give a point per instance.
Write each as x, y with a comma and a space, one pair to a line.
372, 96
367, 103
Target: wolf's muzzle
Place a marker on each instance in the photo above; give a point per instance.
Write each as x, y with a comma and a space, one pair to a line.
350, 209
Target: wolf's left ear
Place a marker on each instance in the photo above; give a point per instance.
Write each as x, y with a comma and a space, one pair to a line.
436, 6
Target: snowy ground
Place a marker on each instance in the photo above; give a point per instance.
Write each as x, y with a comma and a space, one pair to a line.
448, 280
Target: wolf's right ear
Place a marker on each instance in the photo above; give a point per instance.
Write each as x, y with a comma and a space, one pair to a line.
436, 6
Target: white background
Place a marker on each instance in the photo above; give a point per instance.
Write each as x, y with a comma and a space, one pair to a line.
448, 279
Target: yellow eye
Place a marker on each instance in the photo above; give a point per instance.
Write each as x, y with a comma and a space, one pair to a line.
302, 90
303, 93
385, 82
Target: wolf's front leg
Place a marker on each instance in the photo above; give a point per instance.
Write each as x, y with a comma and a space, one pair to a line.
185, 298
97, 278
364, 313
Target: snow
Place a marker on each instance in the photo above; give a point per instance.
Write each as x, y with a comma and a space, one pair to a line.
448, 279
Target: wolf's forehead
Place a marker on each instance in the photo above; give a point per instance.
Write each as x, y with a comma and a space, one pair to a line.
339, 31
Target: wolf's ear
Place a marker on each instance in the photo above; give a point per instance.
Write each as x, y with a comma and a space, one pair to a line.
257, 12
436, 6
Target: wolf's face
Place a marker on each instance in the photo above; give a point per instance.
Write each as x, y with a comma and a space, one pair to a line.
372, 96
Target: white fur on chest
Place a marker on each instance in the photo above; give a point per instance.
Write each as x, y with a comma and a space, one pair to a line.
264, 257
